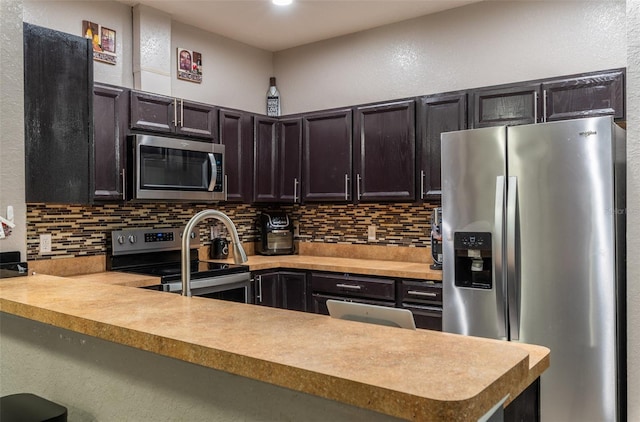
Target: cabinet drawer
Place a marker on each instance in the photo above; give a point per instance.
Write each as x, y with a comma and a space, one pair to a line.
421, 292
346, 285
427, 317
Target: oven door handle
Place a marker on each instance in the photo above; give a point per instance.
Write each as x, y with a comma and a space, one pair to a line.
218, 283
214, 172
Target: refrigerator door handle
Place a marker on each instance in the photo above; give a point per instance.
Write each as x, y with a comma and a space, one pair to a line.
498, 258
513, 262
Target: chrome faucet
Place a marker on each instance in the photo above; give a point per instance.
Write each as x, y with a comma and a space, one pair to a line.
239, 255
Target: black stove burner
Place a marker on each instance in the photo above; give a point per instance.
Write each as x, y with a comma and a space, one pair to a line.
167, 266
172, 272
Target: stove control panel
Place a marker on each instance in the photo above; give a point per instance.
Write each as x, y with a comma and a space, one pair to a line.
159, 237
149, 240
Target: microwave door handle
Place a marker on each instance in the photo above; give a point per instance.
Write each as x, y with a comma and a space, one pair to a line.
214, 172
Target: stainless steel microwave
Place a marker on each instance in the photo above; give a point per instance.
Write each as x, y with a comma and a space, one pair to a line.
172, 169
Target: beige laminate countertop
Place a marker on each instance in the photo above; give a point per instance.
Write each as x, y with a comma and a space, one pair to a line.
382, 268
416, 375
347, 265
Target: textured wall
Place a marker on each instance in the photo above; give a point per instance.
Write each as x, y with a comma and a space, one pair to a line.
151, 50
12, 124
97, 380
234, 74
633, 206
486, 43
67, 16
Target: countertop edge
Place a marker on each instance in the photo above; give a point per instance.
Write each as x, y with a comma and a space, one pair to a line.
368, 396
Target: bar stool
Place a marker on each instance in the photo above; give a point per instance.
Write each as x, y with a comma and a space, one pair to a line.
27, 407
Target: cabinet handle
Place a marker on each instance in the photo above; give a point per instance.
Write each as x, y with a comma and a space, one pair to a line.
422, 184
417, 293
226, 187
259, 296
346, 187
544, 105
295, 190
124, 185
181, 113
175, 112
535, 107
349, 286
358, 179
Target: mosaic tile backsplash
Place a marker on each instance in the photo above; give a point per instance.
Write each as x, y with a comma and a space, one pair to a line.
85, 230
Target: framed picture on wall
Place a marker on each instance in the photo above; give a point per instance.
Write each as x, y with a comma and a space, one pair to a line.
189, 65
103, 40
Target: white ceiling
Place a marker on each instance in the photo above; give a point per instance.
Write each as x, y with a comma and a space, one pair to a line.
264, 25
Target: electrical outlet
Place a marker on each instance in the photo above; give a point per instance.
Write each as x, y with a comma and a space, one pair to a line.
45, 243
296, 229
371, 235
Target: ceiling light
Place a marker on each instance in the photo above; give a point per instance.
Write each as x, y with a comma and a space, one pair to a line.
282, 2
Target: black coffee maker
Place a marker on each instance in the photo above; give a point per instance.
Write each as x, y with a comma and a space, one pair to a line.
276, 234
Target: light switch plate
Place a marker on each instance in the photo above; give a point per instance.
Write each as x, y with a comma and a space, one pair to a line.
372, 233
45, 243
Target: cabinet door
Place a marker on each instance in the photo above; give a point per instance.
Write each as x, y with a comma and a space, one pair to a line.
293, 287
196, 120
153, 113
436, 114
267, 290
110, 124
236, 134
587, 96
385, 152
290, 158
515, 105
265, 168
327, 156
58, 116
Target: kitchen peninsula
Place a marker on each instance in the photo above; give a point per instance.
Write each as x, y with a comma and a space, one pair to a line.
375, 370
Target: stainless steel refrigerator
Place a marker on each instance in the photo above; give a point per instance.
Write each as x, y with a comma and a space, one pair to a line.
533, 221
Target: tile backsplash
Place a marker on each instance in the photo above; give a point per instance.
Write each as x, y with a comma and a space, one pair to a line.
79, 230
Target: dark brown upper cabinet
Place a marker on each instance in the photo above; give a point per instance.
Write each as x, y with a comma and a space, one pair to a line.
58, 117
174, 116
545, 100
236, 134
512, 105
591, 95
327, 156
265, 168
278, 152
110, 126
436, 114
290, 160
385, 152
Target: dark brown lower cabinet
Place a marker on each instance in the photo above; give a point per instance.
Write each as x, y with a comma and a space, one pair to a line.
424, 300
282, 289
525, 407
